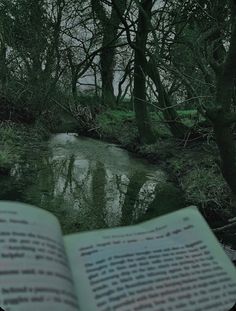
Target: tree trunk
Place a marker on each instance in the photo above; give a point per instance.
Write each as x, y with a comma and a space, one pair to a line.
107, 55
177, 128
140, 104
226, 145
222, 111
3, 67
107, 59
74, 87
107, 70
222, 128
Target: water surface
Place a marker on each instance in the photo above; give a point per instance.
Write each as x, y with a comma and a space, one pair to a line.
89, 184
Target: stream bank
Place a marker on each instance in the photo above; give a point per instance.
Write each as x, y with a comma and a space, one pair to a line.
192, 168
49, 174
88, 184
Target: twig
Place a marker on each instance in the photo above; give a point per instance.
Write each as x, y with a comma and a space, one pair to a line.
220, 229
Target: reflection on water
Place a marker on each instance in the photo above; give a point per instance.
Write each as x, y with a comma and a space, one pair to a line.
88, 184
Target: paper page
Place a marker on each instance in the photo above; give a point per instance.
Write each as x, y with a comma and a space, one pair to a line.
34, 271
171, 263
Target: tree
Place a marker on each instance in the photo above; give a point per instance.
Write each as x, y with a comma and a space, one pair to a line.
144, 49
166, 28
221, 114
140, 70
3, 48
214, 47
34, 36
110, 27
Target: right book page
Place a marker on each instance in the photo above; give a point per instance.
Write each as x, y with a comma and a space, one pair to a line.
173, 262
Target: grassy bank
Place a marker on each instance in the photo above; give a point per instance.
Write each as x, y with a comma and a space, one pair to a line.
193, 168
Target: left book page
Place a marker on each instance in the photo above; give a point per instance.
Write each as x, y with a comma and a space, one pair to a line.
34, 270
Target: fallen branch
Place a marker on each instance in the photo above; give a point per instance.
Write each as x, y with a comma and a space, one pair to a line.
220, 229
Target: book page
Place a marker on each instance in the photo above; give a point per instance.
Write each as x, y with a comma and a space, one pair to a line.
171, 263
34, 271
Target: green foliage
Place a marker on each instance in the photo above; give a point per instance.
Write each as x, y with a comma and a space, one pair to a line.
117, 116
5, 161
190, 113
205, 187
121, 125
15, 105
125, 104
201, 180
7, 154
159, 127
190, 117
31, 37
89, 99
13, 137
29, 26
7, 133
118, 125
161, 150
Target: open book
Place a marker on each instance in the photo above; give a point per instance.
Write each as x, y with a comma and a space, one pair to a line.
173, 262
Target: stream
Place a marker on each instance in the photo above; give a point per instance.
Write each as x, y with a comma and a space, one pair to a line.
89, 184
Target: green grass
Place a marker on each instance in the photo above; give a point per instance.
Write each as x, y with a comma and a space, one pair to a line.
187, 113
121, 125
118, 125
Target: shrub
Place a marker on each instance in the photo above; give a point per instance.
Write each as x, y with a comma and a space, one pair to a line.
7, 156
205, 186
